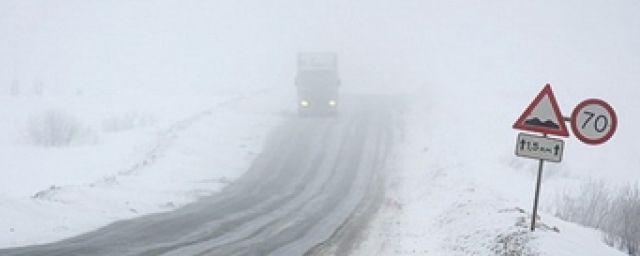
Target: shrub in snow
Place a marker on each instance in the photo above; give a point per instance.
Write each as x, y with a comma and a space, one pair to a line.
617, 213
126, 122
624, 227
56, 128
589, 208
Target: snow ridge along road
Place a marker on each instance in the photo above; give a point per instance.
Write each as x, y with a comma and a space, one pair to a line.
312, 177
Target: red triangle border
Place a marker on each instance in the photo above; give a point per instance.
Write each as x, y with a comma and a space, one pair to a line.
521, 125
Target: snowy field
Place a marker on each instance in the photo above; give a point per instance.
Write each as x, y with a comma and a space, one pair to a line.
458, 190
130, 155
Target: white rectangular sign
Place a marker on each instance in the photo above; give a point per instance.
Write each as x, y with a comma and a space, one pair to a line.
539, 147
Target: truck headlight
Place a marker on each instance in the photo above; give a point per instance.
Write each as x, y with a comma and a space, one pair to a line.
333, 103
304, 103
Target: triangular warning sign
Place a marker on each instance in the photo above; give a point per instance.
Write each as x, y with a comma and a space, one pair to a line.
543, 115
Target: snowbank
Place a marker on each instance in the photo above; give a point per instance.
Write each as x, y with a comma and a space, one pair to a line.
457, 189
145, 154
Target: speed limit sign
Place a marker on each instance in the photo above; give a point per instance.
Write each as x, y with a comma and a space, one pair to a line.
593, 121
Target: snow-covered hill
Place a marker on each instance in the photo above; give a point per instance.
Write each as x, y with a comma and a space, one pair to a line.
130, 155
458, 189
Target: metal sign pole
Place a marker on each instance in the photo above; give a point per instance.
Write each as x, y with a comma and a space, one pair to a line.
535, 203
537, 196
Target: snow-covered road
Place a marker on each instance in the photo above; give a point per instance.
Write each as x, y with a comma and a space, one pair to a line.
313, 174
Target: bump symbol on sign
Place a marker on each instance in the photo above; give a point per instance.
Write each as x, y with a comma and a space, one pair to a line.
593, 121
543, 115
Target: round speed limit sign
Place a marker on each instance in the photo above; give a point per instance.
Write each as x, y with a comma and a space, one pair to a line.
593, 121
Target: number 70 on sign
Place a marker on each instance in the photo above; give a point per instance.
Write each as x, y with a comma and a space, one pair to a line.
594, 121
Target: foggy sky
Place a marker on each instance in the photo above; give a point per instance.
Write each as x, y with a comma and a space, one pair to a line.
398, 46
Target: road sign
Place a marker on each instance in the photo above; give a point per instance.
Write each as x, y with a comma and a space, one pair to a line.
539, 147
594, 121
543, 115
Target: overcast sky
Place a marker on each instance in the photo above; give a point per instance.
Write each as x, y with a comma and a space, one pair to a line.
383, 45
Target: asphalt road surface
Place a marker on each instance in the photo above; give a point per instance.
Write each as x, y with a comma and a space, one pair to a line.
308, 193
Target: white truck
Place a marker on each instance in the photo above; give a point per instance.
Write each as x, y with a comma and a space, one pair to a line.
317, 83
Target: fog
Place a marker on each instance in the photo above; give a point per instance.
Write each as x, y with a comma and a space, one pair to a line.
383, 45
140, 107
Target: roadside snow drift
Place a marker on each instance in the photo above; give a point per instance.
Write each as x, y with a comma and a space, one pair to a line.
120, 157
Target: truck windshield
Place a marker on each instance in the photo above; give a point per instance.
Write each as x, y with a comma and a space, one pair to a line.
317, 78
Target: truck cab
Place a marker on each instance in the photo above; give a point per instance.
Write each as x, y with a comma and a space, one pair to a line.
317, 83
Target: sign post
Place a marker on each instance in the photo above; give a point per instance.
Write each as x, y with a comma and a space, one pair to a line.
537, 197
593, 121
543, 115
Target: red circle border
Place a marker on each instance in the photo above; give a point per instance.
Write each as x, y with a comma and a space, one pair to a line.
574, 120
